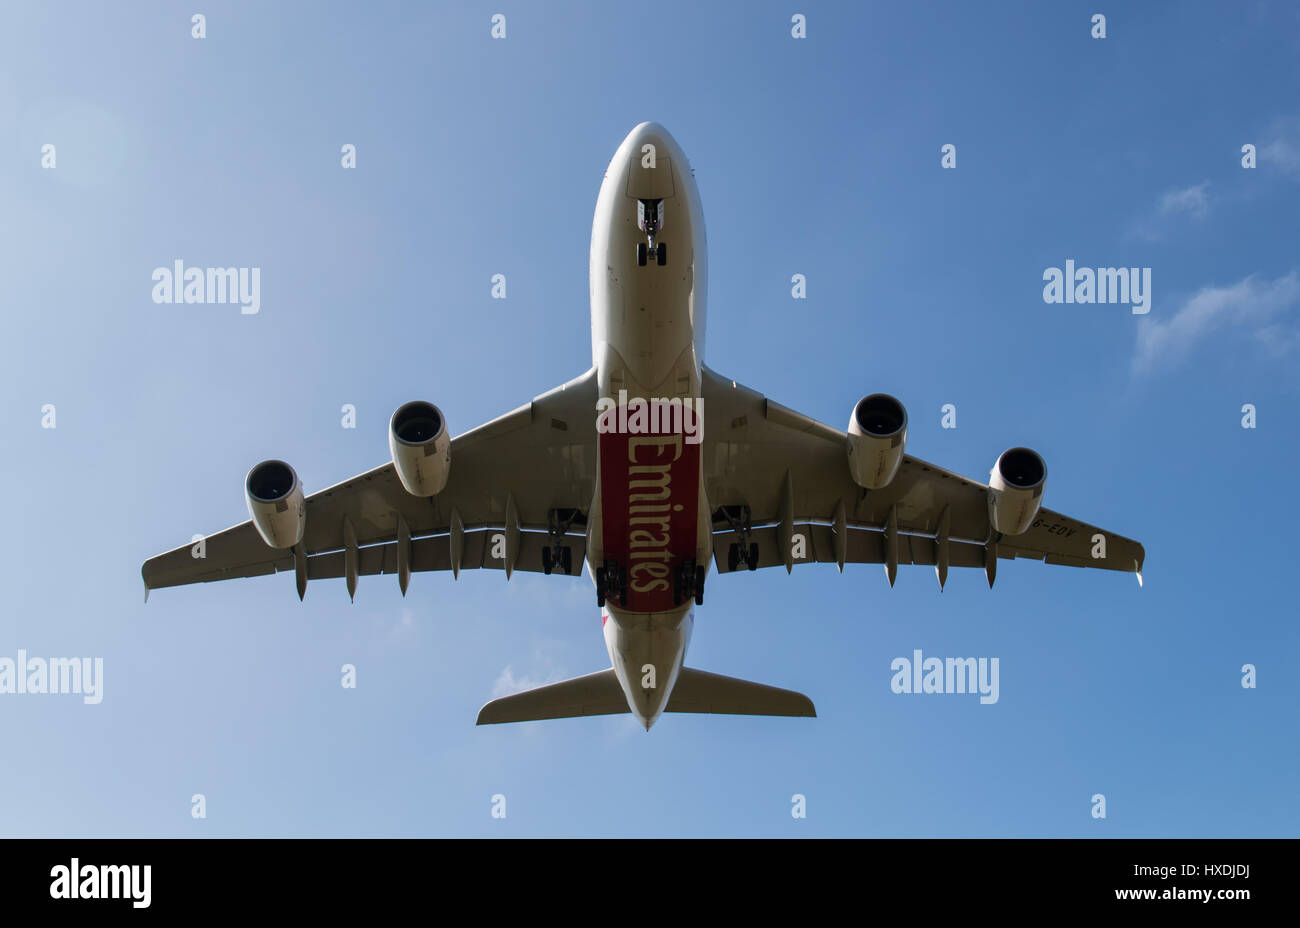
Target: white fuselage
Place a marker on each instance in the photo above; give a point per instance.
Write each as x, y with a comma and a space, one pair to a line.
649, 516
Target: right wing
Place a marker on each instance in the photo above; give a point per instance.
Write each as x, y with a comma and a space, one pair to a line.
791, 473
516, 472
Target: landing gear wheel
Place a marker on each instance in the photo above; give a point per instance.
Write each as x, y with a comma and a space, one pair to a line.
640, 254
611, 581
742, 552
661, 254
699, 586
547, 563
685, 580
566, 560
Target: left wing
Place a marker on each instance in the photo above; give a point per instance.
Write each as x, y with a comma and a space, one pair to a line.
523, 474
792, 474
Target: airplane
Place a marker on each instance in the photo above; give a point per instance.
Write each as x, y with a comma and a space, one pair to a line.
616, 469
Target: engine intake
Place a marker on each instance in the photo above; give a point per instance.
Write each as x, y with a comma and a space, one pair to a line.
421, 448
877, 437
1016, 486
276, 503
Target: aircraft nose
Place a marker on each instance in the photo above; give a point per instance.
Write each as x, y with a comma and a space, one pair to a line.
649, 159
649, 133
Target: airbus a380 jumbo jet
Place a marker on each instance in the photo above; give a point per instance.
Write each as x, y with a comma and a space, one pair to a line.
648, 467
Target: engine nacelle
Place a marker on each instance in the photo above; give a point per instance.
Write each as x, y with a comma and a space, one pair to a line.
276, 503
1016, 486
877, 435
421, 448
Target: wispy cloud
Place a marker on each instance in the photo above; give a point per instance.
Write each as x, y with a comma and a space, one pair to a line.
1187, 202
508, 683
1282, 149
1249, 304
1191, 200
545, 665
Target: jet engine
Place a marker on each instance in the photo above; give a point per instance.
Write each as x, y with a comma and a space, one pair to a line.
877, 434
421, 448
1016, 486
276, 503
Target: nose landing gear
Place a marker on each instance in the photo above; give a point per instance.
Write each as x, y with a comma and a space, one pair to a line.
650, 220
644, 251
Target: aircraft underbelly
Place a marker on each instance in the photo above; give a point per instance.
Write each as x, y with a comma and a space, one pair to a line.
649, 512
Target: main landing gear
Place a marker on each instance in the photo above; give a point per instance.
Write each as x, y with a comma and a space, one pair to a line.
560, 556
688, 581
556, 554
611, 582
745, 552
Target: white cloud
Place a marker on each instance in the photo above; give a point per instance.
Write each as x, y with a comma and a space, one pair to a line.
1248, 304
1192, 200
507, 683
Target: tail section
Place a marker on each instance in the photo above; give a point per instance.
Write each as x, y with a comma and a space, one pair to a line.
703, 692
594, 694
696, 691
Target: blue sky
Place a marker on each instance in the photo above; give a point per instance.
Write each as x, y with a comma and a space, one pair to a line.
818, 156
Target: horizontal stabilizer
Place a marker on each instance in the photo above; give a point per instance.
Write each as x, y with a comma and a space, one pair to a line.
600, 694
594, 694
700, 691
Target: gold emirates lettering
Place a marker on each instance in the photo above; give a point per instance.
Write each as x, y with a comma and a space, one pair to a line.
649, 505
